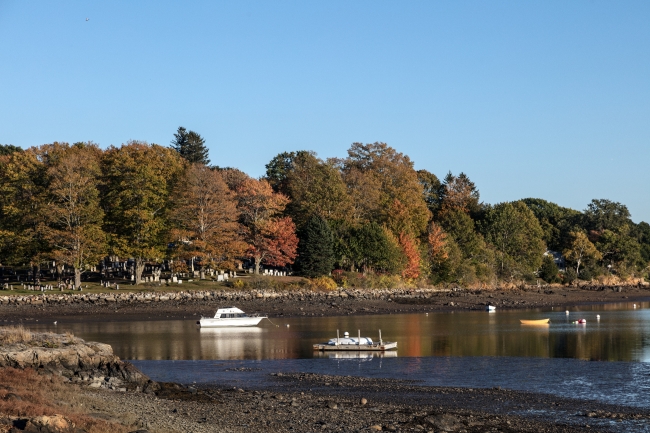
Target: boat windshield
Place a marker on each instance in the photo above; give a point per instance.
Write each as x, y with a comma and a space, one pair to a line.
232, 315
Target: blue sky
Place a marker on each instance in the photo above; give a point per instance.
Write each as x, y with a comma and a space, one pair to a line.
547, 99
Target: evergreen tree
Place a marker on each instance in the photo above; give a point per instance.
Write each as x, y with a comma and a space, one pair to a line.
549, 271
191, 146
316, 248
8, 149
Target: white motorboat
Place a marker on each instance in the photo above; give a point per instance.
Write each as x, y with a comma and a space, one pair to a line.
359, 343
490, 308
229, 317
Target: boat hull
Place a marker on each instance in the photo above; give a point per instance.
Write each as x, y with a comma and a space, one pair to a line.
209, 322
356, 347
535, 322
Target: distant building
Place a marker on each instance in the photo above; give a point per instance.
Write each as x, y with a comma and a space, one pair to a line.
558, 258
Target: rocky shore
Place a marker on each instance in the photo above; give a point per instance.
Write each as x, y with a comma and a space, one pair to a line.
106, 394
158, 303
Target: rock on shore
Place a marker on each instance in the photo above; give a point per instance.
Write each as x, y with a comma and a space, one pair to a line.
81, 362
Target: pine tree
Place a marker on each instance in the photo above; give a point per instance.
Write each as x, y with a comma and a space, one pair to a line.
316, 248
191, 146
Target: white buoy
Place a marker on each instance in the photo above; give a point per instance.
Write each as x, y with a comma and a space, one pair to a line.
55, 322
567, 312
287, 325
597, 316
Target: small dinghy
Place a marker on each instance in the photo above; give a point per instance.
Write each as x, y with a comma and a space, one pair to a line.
535, 322
581, 322
348, 343
490, 308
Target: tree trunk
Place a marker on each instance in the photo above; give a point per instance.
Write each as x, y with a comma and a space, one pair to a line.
77, 278
578, 268
139, 269
59, 272
258, 262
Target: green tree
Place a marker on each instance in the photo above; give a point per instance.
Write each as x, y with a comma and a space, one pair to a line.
8, 149
604, 214
556, 222
581, 250
23, 209
139, 179
315, 248
313, 186
620, 251
432, 189
515, 234
191, 146
549, 270
642, 234
375, 249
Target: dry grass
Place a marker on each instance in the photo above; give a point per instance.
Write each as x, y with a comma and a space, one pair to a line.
15, 334
25, 393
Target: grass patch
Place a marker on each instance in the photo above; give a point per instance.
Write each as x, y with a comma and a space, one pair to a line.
25, 393
14, 335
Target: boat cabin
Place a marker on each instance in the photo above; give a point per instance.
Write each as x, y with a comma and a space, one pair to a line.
229, 313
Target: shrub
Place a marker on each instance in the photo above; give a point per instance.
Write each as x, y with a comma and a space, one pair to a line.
322, 283
237, 283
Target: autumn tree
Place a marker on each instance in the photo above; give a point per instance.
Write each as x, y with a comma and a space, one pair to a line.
205, 217
580, 250
516, 236
397, 180
74, 214
315, 248
271, 238
191, 146
459, 193
138, 180
410, 250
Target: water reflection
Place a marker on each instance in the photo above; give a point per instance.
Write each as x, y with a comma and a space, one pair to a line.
622, 334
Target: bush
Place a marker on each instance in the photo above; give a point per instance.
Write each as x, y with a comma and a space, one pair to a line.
569, 276
322, 283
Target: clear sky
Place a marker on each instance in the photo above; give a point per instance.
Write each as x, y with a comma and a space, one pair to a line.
547, 99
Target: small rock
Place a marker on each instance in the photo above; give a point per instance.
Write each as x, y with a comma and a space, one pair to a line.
332, 405
363, 401
375, 427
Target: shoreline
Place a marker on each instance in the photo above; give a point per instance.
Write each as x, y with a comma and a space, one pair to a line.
278, 304
291, 402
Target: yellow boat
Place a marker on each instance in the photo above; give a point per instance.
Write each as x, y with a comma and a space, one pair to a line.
535, 322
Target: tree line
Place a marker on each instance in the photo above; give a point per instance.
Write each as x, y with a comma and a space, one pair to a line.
370, 213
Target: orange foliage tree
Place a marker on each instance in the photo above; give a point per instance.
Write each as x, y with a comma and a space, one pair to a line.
410, 250
271, 239
205, 217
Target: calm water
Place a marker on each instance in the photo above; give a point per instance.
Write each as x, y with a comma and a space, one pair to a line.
621, 334
472, 349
